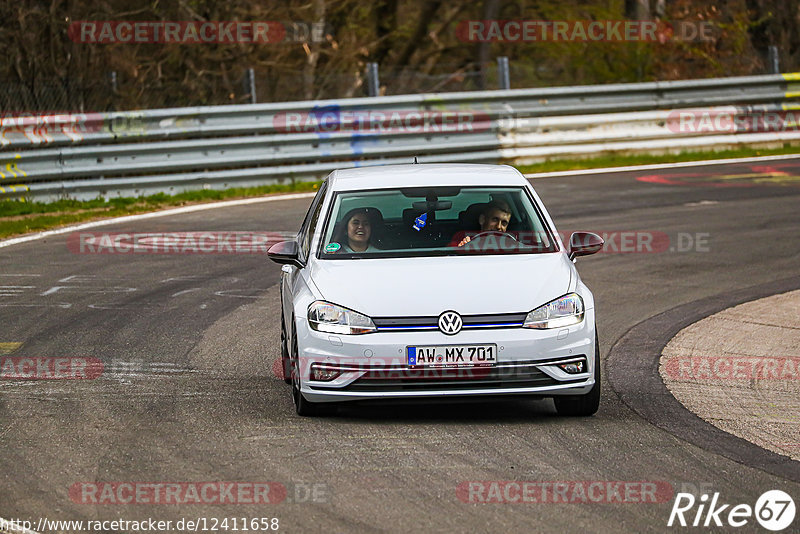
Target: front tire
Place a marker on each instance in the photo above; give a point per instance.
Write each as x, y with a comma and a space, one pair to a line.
286, 362
586, 404
303, 406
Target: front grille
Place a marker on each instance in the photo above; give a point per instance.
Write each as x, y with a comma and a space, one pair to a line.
519, 375
498, 320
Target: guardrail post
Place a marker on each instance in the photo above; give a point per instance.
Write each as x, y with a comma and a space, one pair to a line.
373, 83
503, 76
774, 67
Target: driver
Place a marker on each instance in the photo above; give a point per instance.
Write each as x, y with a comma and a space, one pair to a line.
495, 217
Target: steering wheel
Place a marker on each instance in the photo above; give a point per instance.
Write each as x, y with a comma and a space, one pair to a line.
479, 242
492, 232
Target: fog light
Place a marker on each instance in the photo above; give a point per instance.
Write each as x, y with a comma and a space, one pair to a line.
573, 368
323, 374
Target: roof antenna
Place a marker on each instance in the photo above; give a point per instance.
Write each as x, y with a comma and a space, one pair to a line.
415, 160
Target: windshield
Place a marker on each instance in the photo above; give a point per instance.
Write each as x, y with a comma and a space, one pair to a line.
434, 221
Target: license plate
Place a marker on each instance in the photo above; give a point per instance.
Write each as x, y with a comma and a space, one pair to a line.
452, 356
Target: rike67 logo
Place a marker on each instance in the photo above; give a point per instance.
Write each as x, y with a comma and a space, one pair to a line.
774, 510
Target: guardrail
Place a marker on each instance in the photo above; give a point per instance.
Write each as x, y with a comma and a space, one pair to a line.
85, 155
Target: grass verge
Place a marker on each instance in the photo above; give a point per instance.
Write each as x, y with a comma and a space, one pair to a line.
613, 160
21, 217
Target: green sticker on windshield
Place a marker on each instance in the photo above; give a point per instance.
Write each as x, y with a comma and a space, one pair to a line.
332, 247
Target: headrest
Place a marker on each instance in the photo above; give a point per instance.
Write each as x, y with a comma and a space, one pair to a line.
468, 219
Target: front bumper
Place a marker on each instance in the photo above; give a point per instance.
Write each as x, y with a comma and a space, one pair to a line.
373, 366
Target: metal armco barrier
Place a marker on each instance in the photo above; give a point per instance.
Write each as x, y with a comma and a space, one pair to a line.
86, 155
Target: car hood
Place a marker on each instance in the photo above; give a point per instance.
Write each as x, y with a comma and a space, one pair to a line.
428, 286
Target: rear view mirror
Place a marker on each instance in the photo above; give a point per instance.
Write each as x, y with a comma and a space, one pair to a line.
431, 205
583, 244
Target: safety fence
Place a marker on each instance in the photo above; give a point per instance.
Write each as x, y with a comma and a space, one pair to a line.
86, 155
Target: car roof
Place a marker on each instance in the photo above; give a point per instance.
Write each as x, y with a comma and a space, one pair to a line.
430, 174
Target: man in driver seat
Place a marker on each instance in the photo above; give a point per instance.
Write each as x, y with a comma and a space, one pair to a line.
495, 217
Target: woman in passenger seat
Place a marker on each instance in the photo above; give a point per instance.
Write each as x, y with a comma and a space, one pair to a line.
356, 231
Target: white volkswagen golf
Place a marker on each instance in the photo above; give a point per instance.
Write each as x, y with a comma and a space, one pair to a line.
435, 282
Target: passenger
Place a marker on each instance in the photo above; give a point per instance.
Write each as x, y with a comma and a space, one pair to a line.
356, 231
495, 217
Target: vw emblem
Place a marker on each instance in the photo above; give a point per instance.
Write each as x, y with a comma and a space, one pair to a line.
450, 323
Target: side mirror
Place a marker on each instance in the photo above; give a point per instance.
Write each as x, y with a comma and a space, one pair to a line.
284, 253
583, 244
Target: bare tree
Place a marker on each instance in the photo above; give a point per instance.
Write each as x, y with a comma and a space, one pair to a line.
312, 49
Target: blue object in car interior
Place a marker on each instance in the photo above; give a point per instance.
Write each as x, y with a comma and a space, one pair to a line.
420, 222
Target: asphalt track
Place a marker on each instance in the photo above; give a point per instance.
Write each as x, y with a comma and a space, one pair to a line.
189, 343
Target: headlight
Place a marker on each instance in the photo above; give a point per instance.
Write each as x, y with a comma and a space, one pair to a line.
326, 317
563, 311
